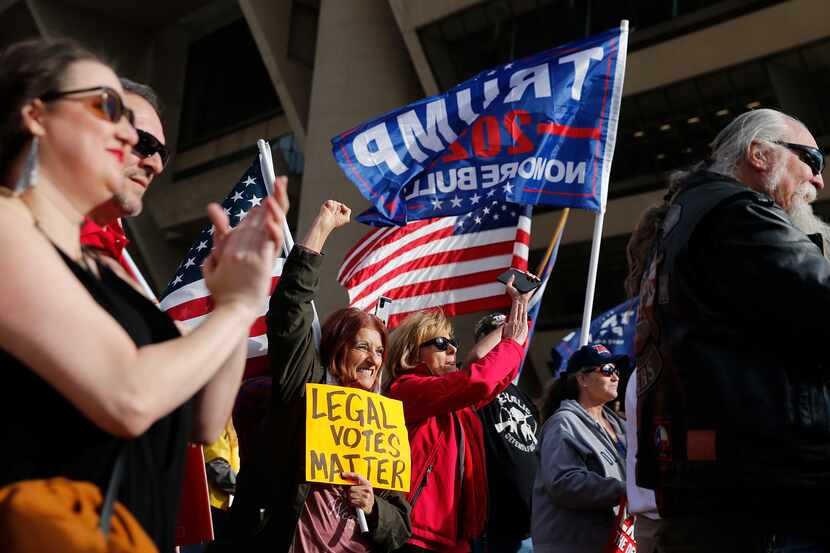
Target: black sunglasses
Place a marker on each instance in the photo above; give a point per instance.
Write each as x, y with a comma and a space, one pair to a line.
813, 157
105, 102
441, 343
148, 145
605, 370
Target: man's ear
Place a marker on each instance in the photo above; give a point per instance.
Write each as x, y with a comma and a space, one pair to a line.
32, 115
758, 156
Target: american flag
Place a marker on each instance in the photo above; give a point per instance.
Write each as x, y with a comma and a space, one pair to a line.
188, 300
448, 262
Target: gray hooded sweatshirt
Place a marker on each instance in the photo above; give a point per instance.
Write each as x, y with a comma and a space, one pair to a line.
581, 479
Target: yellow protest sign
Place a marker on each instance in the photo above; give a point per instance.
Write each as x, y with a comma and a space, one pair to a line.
350, 430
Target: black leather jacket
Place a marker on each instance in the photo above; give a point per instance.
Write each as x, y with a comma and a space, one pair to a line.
733, 401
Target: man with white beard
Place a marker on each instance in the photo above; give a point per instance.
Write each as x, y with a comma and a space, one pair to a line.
733, 401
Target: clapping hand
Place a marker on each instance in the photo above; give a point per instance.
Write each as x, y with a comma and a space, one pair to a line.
239, 268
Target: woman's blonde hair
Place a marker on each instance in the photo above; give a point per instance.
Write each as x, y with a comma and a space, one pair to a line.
407, 338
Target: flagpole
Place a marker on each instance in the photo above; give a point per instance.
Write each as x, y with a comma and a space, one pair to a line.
266, 164
560, 226
616, 98
543, 272
592, 278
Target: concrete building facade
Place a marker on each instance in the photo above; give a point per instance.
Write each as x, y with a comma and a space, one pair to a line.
297, 72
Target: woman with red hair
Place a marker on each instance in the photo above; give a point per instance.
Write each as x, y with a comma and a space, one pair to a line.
282, 510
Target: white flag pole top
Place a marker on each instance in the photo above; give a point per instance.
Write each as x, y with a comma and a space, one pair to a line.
613, 119
266, 165
138, 276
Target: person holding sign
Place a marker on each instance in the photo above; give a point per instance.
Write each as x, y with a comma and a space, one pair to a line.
449, 483
275, 506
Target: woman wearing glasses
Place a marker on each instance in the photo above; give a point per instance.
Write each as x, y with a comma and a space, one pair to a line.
275, 508
98, 372
581, 475
448, 490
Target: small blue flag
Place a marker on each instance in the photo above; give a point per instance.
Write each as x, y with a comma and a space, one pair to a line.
614, 329
536, 131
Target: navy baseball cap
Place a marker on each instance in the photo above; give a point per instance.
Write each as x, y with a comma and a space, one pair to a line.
594, 355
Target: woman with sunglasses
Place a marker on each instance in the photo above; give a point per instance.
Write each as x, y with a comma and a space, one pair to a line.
97, 370
448, 490
581, 476
275, 508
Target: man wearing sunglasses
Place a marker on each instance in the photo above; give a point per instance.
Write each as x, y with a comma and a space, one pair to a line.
102, 231
733, 402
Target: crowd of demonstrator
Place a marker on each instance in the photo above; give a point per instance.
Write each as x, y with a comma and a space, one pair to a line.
726, 416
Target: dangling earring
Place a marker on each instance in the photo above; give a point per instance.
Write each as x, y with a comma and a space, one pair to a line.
28, 177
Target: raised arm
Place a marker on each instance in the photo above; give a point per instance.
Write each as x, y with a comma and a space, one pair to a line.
476, 384
332, 215
291, 349
49, 322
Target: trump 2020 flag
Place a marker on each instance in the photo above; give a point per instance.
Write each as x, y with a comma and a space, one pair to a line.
536, 131
187, 298
614, 329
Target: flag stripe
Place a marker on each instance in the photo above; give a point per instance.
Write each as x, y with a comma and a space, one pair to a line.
452, 309
204, 304
433, 268
568, 131
187, 298
393, 241
449, 262
369, 243
389, 258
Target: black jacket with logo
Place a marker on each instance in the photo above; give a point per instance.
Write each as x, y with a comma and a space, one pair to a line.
733, 401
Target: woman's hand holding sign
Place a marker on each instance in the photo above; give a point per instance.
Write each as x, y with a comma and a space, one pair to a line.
361, 494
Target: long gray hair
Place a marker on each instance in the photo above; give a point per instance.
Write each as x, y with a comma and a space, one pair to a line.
731, 146
729, 149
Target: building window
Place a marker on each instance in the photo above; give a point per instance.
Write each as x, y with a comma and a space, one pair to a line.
565, 294
671, 127
226, 86
494, 32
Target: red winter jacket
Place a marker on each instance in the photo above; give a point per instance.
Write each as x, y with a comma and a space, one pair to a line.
439, 415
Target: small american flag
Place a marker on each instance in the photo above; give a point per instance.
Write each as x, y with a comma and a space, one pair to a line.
188, 300
448, 262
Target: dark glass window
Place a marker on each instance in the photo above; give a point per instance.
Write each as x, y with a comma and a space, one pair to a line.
671, 127
565, 294
226, 86
494, 32
288, 161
